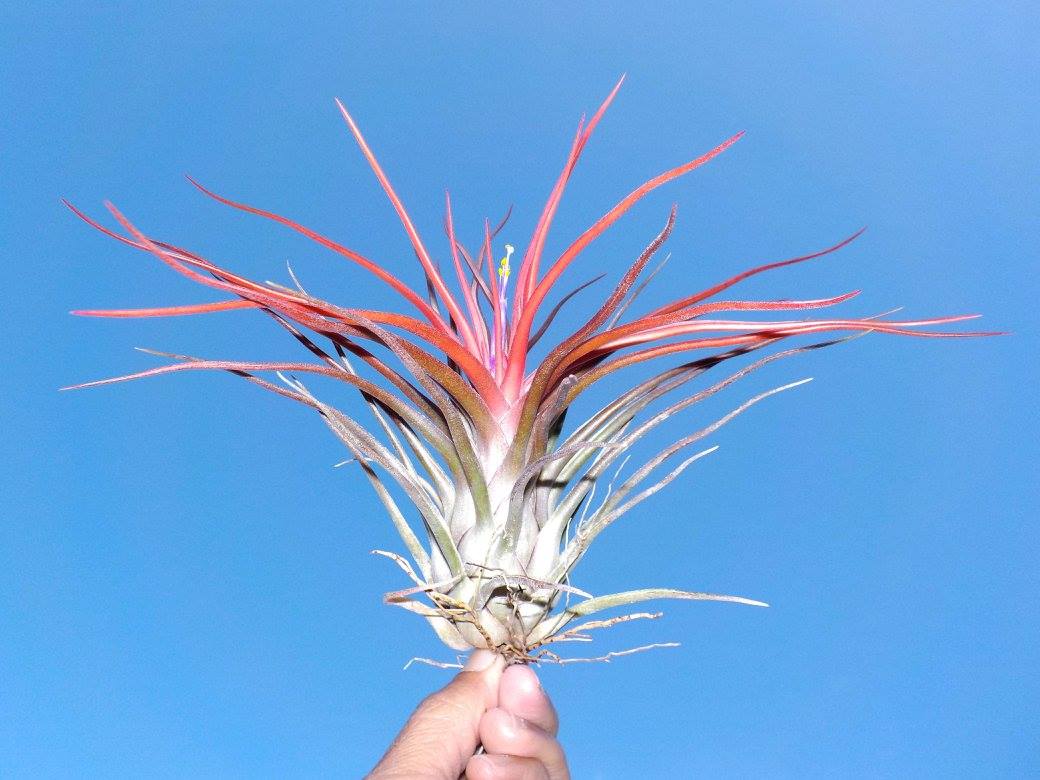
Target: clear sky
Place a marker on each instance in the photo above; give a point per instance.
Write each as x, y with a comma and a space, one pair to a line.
185, 584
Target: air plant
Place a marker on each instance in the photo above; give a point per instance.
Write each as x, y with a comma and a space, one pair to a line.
472, 430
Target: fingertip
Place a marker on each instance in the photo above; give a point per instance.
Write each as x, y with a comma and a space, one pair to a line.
506, 734
486, 667
523, 679
491, 767
477, 768
521, 693
481, 660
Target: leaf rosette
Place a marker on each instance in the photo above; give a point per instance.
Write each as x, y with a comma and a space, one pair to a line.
470, 446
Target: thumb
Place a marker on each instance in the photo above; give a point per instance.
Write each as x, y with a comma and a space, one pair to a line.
442, 733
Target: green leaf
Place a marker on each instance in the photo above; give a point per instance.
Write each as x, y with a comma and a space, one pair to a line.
600, 603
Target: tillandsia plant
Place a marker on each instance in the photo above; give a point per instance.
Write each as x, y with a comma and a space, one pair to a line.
472, 429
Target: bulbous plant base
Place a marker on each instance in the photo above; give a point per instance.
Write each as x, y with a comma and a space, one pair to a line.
519, 617
509, 614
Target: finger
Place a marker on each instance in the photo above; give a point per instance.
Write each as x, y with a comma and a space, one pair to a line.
522, 694
488, 767
502, 732
442, 733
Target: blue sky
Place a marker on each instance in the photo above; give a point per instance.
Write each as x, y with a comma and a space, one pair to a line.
185, 585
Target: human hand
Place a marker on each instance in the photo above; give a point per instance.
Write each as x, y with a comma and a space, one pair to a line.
504, 709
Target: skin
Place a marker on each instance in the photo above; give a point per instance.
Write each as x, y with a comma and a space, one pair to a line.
503, 709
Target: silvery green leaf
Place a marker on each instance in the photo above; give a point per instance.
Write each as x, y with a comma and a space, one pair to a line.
601, 603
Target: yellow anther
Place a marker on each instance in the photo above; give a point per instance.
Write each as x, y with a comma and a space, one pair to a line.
503, 265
